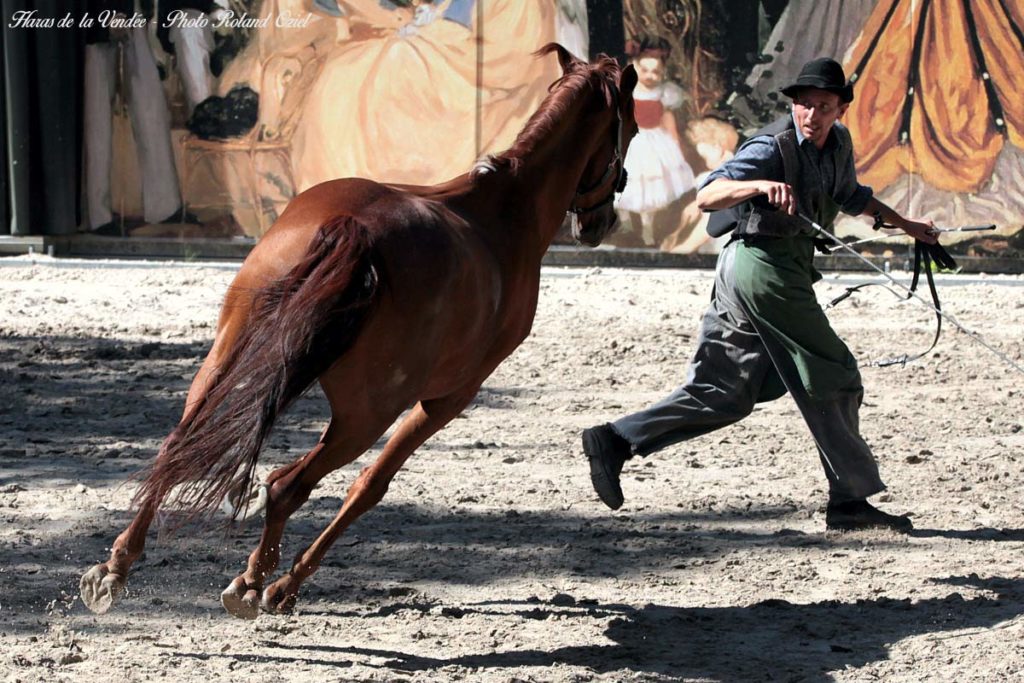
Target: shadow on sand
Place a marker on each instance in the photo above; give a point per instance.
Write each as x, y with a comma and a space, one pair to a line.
770, 640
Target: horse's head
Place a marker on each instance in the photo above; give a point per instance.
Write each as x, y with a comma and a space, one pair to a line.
610, 112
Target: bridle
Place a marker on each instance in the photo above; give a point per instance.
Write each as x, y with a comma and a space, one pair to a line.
615, 165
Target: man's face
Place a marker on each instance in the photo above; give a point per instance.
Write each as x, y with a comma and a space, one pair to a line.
815, 111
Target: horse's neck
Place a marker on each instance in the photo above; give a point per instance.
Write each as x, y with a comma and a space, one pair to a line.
540, 190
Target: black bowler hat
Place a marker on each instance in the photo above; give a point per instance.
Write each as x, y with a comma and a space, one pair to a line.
825, 74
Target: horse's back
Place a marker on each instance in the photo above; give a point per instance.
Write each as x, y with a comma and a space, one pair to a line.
442, 281
439, 287
363, 204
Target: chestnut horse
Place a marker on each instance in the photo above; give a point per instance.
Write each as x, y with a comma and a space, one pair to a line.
390, 297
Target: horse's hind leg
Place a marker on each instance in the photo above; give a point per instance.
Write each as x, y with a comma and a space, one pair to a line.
102, 585
423, 420
287, 491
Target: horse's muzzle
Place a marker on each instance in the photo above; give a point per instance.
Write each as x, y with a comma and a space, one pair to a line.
591, 230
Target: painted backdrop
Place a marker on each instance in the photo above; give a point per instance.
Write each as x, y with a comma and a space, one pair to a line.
937, 119
414, 91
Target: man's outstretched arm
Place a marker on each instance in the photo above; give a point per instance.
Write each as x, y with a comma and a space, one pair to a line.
920, 230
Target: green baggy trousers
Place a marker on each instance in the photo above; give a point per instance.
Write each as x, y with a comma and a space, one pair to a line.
763, 335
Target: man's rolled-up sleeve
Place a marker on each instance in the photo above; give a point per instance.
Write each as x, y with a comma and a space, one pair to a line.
857, 201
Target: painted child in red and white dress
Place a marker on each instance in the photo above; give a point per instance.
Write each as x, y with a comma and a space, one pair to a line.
658, 172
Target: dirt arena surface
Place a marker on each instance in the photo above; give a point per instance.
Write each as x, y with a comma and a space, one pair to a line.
490, 559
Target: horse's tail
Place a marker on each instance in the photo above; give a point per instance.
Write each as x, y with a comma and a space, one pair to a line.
298, 326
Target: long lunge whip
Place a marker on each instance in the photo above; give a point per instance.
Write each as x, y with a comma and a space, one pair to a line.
966, 228
912, 293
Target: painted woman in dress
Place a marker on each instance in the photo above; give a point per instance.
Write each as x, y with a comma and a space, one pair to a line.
399, 103
658, 173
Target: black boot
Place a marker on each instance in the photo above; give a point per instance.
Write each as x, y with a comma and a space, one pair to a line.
607, 451
859, 514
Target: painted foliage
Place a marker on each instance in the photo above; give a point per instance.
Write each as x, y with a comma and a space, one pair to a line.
413, 91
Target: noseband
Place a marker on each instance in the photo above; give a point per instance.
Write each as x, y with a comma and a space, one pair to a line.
615, 165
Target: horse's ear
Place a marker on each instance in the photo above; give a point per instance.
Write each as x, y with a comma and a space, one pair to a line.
627, 81
565, 58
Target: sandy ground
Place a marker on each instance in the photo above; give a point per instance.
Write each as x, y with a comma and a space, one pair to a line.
490, 559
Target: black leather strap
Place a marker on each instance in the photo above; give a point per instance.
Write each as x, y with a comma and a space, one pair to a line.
790, 163
924, 255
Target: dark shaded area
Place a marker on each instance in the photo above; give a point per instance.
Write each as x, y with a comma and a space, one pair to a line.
229, 45
382, 551
51, 385
220, 118
807, 641
730, 31
606, 29
42, 74
5, 189
773, 9
982, 534
365, 575
50, 388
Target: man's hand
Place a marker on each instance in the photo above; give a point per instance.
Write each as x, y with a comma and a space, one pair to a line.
780, 195
723, 193
921, 230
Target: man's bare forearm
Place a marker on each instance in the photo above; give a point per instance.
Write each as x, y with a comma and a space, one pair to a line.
884, 211
916, 228
723, 193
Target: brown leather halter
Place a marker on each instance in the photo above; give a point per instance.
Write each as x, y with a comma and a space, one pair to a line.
615, 164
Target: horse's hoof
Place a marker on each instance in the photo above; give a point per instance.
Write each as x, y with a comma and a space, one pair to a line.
234, 507
240, 600
100, 588
277, 599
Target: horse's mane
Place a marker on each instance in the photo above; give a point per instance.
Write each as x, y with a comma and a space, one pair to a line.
580, 76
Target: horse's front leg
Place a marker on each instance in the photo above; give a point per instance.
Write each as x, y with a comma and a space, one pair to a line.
288, 487
426, 418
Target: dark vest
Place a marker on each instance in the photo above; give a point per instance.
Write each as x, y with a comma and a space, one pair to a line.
758, 217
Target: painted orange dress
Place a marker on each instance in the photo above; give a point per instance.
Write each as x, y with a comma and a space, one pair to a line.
400, 105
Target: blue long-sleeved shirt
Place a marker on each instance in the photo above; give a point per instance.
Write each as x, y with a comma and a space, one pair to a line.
759, 159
